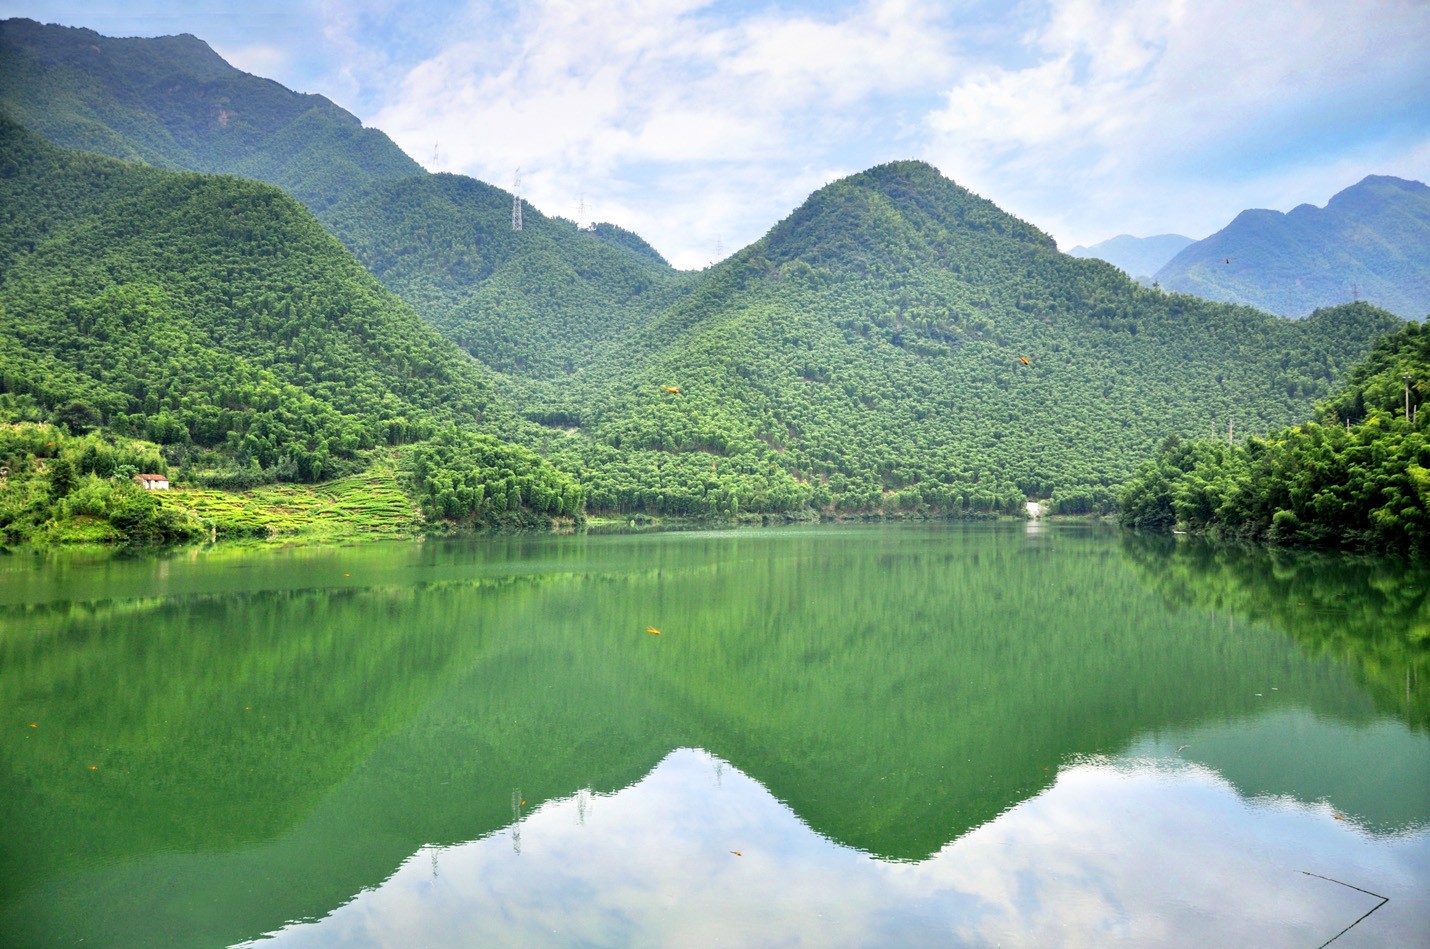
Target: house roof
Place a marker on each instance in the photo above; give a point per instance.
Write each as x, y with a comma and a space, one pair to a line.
151, 477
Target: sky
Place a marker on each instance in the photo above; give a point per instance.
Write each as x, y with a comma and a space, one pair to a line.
699, 124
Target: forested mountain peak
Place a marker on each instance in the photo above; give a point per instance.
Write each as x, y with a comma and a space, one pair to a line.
54, 44
535, 302
173, 102
538, 300
897, 343
901, 214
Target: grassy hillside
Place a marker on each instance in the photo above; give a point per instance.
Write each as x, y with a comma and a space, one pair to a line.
1370, 242
215, 317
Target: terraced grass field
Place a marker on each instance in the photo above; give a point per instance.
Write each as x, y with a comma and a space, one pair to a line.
367, 505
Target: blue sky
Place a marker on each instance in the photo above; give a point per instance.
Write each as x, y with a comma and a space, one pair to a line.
700, 124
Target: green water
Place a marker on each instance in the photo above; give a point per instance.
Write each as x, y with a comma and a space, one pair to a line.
914, 735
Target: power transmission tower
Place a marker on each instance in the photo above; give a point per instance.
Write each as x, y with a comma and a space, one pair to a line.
516, 201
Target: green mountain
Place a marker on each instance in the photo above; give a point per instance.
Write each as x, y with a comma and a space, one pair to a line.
1370, 242
216, 317
537, 304
1136, 256
896, 344
872, 347
269, 772
172, 102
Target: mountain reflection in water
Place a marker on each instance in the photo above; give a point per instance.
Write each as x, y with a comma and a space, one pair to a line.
273, 733
1135, 852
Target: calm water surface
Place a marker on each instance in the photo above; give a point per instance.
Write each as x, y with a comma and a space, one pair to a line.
842, 736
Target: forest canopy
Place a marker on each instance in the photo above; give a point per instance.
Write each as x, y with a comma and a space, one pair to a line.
1358, 475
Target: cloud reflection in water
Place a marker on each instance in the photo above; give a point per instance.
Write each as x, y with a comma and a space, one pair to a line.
1138, 851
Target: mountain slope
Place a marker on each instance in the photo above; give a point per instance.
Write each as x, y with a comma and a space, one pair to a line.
215, 316
872, 346
1370, 242
538, 303
867, 354
1135, 256
174, 103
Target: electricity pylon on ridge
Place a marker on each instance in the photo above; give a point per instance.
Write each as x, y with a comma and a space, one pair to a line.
516, 201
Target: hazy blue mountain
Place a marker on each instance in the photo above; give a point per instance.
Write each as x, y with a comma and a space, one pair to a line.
172, 102
1370, 242
1136, 256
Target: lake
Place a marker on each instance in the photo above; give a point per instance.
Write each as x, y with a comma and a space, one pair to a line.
924, 734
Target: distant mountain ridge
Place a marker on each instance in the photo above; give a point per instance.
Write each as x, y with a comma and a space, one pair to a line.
1370, 242
1136, 256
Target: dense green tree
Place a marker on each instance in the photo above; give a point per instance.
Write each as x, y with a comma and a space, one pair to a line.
61, 478
1358, 477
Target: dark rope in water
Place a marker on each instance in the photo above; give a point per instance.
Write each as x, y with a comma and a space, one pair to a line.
1383, 901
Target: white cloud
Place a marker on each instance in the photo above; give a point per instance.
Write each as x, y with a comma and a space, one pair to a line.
1136, 852
692, 120
1150, 117
589, 97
